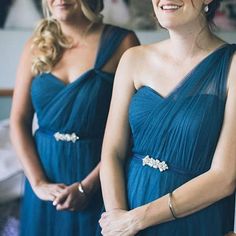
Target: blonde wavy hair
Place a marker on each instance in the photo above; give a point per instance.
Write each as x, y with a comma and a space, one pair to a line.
49, 42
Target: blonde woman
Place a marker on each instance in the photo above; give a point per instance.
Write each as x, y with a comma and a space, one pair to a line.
178, 98
65, 75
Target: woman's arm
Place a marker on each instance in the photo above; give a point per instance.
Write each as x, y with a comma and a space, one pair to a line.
116, 139
200, 192
21, 126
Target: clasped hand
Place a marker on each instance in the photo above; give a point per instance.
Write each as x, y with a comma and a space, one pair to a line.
63, 197
118, 222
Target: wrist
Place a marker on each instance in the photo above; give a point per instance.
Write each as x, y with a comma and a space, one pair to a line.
89, 187
37, 183
139, 217
81, 188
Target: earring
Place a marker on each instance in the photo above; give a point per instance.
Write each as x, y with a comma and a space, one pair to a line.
206, 9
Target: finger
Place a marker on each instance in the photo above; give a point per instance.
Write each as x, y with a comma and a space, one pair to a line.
64, 206
62, 186
104, 215
100, 222
51, 197
58, 192
105, 232
54, 190
103, 223
60, 198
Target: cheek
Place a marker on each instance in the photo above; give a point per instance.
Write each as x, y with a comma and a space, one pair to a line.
77, 3
195, 5
48, 4
155, 5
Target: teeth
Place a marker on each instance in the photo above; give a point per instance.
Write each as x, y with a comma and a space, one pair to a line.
170, 7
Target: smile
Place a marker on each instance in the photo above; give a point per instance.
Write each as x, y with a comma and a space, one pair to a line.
170, 7
63, 5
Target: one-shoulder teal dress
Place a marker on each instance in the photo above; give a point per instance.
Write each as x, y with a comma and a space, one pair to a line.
174, 139
71, 120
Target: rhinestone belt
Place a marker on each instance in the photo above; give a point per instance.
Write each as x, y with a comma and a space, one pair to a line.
155, 163
162, 166
66, 137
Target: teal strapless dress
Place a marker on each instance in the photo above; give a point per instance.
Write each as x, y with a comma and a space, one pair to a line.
180, 131
80, 107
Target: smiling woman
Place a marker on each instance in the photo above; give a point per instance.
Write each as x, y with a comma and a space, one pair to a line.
176, 101
65, 76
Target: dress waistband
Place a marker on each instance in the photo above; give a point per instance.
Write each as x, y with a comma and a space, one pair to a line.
66, 137
162, 166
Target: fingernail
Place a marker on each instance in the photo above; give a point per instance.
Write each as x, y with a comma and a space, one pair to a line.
54, 203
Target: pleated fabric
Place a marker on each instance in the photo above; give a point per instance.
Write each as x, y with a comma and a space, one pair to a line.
181, 129
80, 107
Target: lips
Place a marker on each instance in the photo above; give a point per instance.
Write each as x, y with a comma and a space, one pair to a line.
63, 5
170, 6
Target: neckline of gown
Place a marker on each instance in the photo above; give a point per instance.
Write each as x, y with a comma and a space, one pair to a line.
53, 76
185, 78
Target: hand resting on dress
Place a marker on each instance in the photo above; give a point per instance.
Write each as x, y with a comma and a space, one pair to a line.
48, 191
72, 199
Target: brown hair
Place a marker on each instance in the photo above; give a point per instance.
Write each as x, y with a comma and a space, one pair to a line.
213, 6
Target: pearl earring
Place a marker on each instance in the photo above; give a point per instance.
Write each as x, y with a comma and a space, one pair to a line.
206, 9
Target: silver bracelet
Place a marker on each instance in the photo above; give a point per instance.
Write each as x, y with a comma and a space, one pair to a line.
81, 188
170, 203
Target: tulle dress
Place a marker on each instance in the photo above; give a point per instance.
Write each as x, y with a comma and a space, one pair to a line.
174, 140
71, 120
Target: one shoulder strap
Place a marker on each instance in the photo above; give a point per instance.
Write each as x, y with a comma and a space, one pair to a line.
110, 40
225, 67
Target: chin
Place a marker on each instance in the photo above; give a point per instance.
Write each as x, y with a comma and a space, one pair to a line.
62, 17
169, 25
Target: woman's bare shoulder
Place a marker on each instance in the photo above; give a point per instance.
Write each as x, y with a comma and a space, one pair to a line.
142, 54
27, 49
232, 72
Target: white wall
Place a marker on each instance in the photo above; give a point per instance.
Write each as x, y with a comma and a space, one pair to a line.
11, 45
152, 36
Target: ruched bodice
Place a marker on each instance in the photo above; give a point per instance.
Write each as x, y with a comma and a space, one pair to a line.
83, 104
71, 119
79, 107
182, 131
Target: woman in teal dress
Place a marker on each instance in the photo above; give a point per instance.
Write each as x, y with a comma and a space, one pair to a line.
178, 99
65, 76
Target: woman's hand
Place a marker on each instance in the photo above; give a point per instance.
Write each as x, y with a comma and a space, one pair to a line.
72, 199
48, 191
118, 222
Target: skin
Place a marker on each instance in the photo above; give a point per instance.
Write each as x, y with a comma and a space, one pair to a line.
142, 66
74, 24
